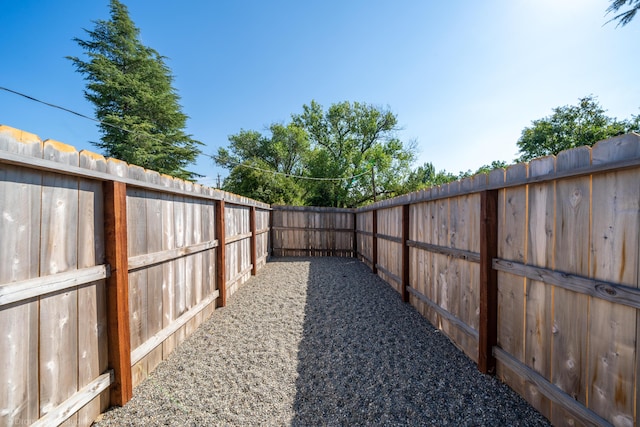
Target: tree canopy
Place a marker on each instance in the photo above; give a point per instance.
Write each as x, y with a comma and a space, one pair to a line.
130, 86
571, 126
627, 16
345, 156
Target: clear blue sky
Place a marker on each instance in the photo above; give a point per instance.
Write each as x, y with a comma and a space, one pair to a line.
463, 76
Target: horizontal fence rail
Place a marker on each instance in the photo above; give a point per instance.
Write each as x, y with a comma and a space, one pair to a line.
531, 271
106, 268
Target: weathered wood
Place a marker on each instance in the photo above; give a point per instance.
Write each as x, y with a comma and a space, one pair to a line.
453, 320
397, 279
444, 250
619, 294
237, 238
40, 286
488, 317
570, 309
552, 392
115, 231
393, 239
538, 295
59, 253
614, 254
221, 275
20, 203
168, 265
146, 260
92, 300
374, 243
76, 402
306, 228
154, 272
406, 225
253, 249
157, 339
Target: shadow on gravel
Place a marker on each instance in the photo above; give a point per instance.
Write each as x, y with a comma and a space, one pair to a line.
366, 358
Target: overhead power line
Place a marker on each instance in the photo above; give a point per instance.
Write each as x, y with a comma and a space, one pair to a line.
48, 104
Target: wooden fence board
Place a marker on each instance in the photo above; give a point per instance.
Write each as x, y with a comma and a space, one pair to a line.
512, 207
154, 272
180, 292
538, 295
20, 201
168, 268
612, 328
570, 310
92, 300
59, 312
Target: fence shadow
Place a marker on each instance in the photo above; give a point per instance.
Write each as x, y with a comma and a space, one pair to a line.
367, 358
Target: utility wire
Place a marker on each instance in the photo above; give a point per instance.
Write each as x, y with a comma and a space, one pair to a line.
48, 104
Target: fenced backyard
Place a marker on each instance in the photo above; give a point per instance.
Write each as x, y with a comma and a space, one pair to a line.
106, 268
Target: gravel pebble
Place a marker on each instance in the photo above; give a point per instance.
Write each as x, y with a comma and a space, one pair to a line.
319, 341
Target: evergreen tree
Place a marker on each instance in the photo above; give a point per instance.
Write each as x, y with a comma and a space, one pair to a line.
131, 88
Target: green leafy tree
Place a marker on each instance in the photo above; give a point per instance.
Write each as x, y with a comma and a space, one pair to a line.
356, 144
496, 164
322, 158
262, 166
569, 126
425, 176
625, 17
131, 88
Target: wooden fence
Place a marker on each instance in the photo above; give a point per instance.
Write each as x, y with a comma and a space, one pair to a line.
106, 268
532, 271
312, 231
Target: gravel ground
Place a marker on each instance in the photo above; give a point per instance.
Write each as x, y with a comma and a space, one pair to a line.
319, 341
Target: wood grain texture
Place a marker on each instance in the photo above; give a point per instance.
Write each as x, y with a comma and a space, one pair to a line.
169, 267
512, 208
115, 232
221, 275
540, 252
614, 249
20, 210
92, 299
571, 310
58, 253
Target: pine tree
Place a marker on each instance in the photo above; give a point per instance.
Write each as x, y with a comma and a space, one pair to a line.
131, 88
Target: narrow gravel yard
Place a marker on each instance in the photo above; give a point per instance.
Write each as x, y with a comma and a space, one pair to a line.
319, 341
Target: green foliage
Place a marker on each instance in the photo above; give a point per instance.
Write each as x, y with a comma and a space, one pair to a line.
496, 164
625, 17
425, 176
131, 88
569, 126
344, 142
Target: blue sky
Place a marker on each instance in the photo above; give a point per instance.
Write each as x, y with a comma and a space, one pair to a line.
463, 76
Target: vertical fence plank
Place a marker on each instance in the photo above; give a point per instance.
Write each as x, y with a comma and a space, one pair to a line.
512, 238
154, 272
538, 296
612, 327
488, 323
137, 245
92, 316
20, 203
406, 226
253, 249
374, 243
115, 231
58, 253
221, 275
168, 268
570, 309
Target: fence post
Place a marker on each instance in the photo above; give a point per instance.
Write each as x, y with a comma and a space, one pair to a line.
355, 234
115, 235
252, 244
221, 259
488, 328
405, 251
374, 243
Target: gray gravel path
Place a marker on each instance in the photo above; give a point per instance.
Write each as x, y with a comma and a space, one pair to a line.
319, 341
